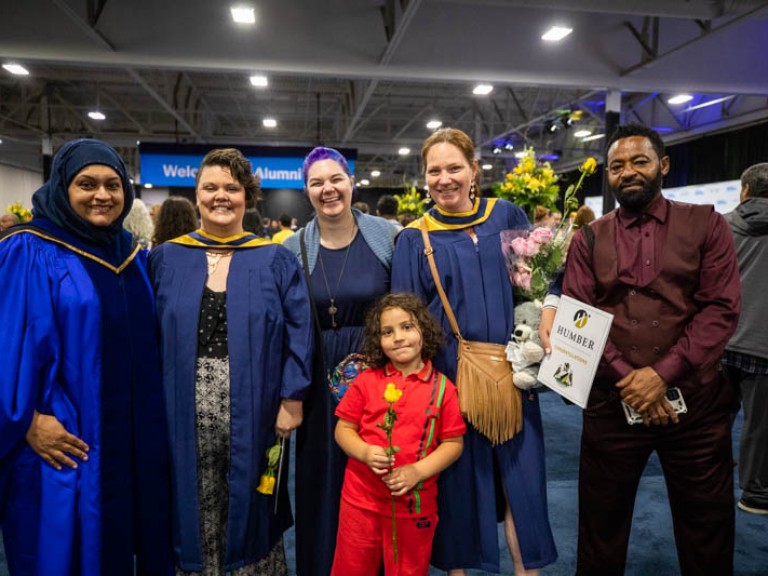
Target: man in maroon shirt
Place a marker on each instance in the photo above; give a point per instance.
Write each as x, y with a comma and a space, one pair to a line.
668, 273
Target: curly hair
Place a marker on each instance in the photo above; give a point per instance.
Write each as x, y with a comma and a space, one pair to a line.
431, 332
240, 168
176, 217
139, 223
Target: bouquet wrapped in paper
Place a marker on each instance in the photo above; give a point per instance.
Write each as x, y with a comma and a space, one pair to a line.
534, 257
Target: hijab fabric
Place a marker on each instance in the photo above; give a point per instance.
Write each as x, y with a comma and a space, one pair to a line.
51, 201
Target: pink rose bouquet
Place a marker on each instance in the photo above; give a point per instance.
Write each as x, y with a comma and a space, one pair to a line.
534, 257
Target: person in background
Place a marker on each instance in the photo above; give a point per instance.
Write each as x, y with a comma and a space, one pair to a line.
139, 223
400, 338
746, 355
154, 211
489, 483
84, 470
362, 206
177, 217
235, 324
348, 257
7, 220
252, 222
406, 219
584, 215
285, 229
542, 217
668, 273
386, 208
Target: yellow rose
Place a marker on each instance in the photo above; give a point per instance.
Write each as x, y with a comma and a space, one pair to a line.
392, 394
589, 166
266, 485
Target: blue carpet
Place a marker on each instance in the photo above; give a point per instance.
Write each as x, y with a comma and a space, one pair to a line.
651, 547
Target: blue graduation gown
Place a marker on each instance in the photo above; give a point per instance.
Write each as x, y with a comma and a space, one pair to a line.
476, 282
269, 331
79, 343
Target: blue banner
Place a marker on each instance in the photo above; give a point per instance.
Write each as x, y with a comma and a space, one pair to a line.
180, 169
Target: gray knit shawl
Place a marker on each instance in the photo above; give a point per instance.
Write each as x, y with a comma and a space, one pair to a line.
378, 233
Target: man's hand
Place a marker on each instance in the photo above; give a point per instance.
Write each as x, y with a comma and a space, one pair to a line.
660, 414
641, 388
545, 327
53, 443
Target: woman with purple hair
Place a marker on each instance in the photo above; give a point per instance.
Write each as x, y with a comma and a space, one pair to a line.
346, 256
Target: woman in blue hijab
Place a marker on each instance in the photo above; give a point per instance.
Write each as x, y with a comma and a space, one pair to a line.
83, 458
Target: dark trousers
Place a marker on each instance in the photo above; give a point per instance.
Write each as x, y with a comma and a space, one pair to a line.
696, 458
753, 447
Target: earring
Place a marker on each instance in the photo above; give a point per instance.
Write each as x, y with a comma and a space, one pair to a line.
472, 192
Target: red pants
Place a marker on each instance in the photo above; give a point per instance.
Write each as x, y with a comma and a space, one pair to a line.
365, 538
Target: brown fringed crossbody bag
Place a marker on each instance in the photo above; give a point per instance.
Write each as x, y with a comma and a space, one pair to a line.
488, 398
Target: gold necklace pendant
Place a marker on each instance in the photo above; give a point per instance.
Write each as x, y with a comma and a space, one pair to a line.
213, 259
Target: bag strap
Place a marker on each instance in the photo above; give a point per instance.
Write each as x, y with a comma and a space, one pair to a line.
315, 316
429, 253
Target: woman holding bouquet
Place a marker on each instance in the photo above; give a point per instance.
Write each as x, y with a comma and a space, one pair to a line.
489, 483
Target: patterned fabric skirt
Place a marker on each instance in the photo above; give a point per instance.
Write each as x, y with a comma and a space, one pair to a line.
212, 405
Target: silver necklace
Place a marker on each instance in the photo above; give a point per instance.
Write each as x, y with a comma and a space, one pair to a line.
213, 259
332, 309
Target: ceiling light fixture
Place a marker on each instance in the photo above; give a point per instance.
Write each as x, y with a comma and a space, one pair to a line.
708, 103
148, 185
365, 182
482, 89
16, 69
269, 123
582, 133
404, 151
487, 166
680, 99
593, 137
259, 80
434, 124
556, 33
375, 173
96, 115
497, 150
509, 146
243, 14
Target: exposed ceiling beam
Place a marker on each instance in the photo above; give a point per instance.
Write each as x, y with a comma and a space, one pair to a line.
389, 52
160, 100
89, 31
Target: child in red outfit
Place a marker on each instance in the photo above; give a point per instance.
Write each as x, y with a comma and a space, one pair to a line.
400, 337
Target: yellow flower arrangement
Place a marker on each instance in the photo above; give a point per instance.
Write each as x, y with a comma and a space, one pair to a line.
391, 395
530, 184
411, 202
24, 214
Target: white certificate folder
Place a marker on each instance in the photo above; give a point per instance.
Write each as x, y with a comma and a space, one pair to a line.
577, 339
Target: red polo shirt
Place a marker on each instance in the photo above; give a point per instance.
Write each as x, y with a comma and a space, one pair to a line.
417, 408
